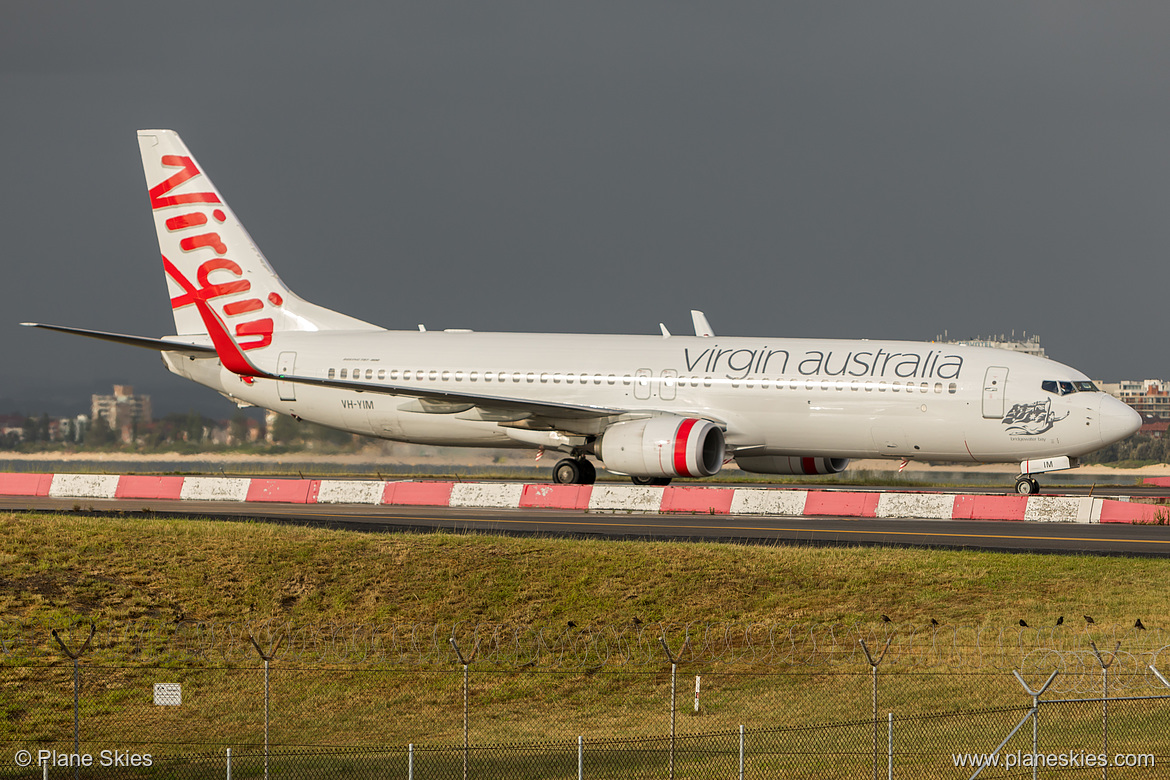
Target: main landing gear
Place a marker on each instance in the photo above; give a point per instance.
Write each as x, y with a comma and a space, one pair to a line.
1026, 485
651, 481
574, 471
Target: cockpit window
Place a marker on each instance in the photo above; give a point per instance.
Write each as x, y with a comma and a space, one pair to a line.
1064, 388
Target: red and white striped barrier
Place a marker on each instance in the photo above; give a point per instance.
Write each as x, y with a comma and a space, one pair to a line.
602, 497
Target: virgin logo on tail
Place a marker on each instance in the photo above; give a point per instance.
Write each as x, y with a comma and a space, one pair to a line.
204, 289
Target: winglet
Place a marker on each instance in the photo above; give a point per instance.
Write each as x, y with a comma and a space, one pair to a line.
702, 327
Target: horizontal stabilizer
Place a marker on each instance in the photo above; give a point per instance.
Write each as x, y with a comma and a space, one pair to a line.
162, 345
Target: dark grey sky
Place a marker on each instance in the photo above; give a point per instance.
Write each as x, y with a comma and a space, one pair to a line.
850, 169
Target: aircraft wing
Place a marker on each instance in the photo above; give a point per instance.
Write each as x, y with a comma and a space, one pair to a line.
162, 345
551, 409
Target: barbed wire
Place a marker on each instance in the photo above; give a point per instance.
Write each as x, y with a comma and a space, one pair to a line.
630, 646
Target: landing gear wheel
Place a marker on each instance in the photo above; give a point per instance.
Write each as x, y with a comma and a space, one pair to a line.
567, 472
651, 481
1026, 486
588, 472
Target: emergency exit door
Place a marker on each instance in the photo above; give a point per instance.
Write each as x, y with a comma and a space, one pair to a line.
287, 366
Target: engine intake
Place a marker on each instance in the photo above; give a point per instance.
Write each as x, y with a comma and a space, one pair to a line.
779, 464
666, 446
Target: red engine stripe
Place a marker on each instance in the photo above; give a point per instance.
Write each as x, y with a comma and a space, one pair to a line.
809, 465
680, 447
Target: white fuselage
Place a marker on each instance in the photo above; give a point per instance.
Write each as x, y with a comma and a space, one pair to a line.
794, 397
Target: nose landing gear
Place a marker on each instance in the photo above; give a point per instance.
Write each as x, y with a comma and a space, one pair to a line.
1026, 485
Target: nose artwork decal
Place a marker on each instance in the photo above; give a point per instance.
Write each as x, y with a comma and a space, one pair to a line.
1031, 419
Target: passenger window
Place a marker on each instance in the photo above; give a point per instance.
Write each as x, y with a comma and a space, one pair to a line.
895, 387
487, 376
706, 381
473, 376
952, 388
381, 373
611, 379
332, 373
369, 373
626, 380
434, 374
344, 372
938, 387
515, 377
458, 376
544, 378
531, 377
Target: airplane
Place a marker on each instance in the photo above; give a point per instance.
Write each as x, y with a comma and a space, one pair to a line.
652, 408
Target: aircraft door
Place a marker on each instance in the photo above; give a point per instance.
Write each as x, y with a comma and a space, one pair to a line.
642, 383
668, 388
994, 382
286, 364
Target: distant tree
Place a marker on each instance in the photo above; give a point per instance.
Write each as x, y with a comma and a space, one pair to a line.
238, 429
99, 433
285, 430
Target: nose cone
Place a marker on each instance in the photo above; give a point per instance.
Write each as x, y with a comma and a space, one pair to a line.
1117, 420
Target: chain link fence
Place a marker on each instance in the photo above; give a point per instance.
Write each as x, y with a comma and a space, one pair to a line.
656, 701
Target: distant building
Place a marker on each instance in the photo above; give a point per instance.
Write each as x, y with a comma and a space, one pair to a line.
1029, 345
1149, 397
126, 414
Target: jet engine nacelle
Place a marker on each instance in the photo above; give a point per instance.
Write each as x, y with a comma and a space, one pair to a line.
666, 446
779, 464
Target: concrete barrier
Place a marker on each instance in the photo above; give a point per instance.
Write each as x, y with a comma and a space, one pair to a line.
769, 501
83, 486
778, 502
350, 491
632, 498
925, 506
140, 486
505, 495
25, 484
214, 489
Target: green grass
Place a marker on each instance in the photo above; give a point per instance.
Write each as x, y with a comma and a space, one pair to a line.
61, 567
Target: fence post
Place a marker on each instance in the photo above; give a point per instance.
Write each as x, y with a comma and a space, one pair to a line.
76, 687
890, 748
466, 662
580, 757
1031, 714
229, 764
1035, 713
267, 657
741, 751
410, 761
873, 665
673, 690
1105, 701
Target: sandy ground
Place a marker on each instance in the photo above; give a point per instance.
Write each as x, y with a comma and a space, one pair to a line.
408, 454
